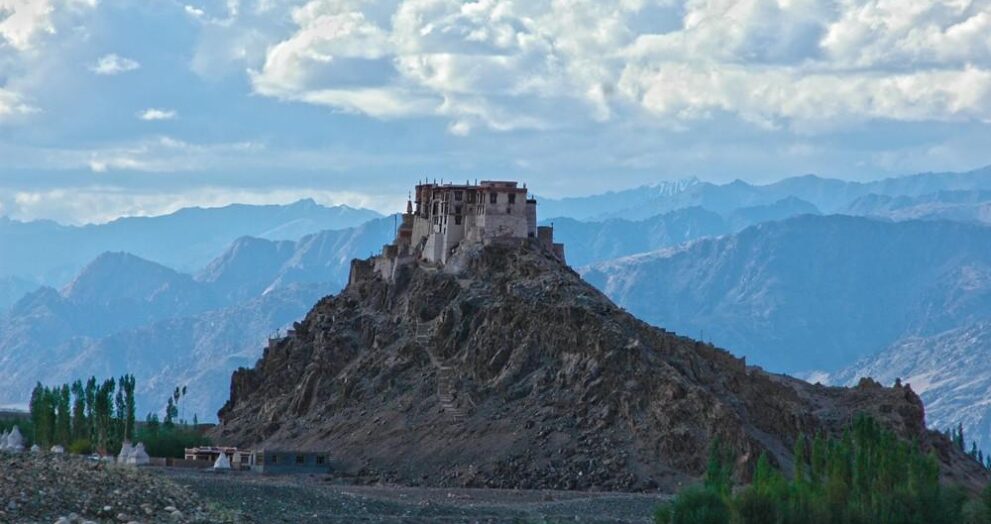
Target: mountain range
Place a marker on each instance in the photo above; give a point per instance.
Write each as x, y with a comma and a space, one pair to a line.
811, 292
49, 253
123, 314
755, 268
826, 194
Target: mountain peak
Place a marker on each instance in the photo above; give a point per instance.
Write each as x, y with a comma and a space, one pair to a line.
507, 343
121, 275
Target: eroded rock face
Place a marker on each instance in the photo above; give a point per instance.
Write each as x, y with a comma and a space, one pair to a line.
505, 369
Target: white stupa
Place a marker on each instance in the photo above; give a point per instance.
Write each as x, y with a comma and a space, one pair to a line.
58, 449
138, 456
125, 452
222, 462
15, 442
3, 440
35, 449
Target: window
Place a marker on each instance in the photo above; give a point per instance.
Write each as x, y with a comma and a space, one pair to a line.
275, 459
457, 220
260, 459
493, 197
457, 196
321, 459
471, 197
512, 198
435, 208
300, 459
457, 210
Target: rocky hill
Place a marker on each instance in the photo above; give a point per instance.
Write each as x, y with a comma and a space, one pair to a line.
506, 369
951, 371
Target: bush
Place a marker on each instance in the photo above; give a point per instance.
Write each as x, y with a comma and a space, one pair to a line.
81, 446
170, 441
695, 505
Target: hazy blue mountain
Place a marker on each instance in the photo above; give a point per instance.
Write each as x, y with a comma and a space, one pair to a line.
13, 288
251, 265
827, 195
951, 371
591, 242
606, 204
961, 206
198, 351
185, 240
811, 292
125, 314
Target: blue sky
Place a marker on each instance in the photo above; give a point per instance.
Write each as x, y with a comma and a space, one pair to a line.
112, 107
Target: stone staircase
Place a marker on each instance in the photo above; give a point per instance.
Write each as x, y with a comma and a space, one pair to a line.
447, 394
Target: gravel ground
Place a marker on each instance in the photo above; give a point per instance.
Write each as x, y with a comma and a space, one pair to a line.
245, 497
45, 487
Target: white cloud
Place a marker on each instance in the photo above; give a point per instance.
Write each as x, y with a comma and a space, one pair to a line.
504, 64
12, 105
112, 65
157, 114
23, 22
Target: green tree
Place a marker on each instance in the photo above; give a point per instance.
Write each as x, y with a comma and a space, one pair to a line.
63, 416
79, 426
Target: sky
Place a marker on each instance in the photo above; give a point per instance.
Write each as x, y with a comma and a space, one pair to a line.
124, 107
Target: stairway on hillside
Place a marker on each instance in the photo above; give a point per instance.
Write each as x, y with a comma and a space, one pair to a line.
447, 394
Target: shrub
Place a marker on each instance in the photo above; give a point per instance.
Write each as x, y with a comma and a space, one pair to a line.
81, 446
695, 505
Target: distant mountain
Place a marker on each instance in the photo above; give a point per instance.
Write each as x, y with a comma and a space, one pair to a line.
591, 242
597, 207
252, 266
827, 195
185, 240
13, 288
125, 314
951, 371
961, 206
812, 292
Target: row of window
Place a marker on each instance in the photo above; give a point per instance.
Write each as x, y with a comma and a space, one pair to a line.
493, 198
300, 459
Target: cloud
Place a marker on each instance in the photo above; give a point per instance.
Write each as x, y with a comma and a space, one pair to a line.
12, 105
157, 114
112, 65
504, 65
23, 22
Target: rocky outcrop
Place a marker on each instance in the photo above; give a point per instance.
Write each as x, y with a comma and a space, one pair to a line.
506, 369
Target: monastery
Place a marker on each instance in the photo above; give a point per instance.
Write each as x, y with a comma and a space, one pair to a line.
441, 217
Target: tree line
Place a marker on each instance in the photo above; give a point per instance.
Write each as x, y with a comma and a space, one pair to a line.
83, 416
868, 475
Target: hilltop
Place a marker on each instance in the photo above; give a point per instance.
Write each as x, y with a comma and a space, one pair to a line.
505, 369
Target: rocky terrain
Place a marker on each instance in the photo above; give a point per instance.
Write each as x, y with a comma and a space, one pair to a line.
36, 487
951, 371
811, 293
505, 369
